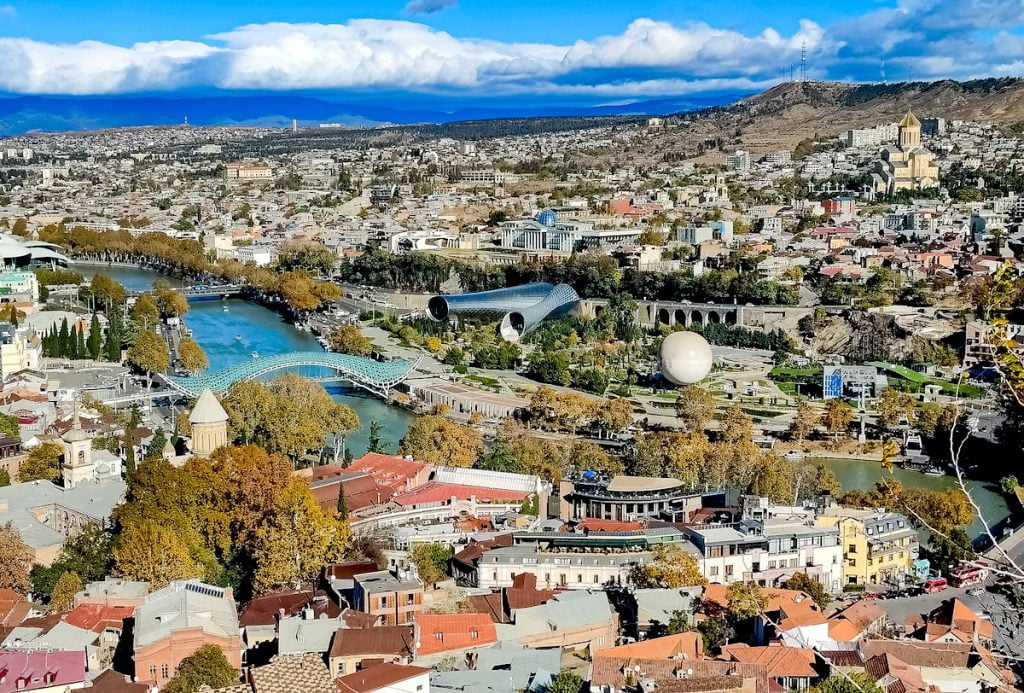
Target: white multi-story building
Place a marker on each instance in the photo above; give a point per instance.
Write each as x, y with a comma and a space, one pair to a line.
557, 569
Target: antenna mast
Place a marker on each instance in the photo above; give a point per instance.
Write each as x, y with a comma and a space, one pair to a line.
803, 62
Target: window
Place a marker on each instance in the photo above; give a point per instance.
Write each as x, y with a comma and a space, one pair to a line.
341, 667
164, 672
152, 672
595, 579
439, 636
852, 549
579, 577
713, 571
410, 598
728, 569
474, 634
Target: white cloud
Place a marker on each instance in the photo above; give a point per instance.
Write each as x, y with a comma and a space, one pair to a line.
647, 59
8, 11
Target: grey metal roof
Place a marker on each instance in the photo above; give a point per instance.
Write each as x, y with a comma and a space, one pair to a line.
299, 635
185, 604
18, 501
566, 611
658, 604
501, 667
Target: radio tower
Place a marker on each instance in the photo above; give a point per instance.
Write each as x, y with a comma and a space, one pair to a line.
883, 71
803, 62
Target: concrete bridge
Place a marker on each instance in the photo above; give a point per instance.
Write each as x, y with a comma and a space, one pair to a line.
685, 313
201, 292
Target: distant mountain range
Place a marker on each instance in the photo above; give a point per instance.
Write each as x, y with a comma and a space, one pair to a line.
23, 114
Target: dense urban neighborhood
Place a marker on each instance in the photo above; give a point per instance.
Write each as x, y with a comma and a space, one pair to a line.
593, 405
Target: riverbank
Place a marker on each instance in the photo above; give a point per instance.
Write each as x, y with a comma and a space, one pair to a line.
231, 336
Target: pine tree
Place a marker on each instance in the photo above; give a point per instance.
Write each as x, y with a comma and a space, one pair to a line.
72, 351
342, 505
80, 350
14, 316
375, 441
113, 346
63, 339
95, 342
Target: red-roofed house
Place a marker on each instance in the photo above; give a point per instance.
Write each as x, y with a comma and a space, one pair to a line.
397, 473
790, 667
14, 608
386, 678
952, 621
440, 635
41, 670
437, 493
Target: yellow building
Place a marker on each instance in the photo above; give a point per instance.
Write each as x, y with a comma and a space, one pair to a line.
877, 546
906, 165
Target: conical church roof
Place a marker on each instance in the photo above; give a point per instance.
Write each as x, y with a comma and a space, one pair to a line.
910, 121
207, 410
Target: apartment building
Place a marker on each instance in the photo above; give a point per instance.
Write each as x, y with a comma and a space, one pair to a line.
878, 546
395, 600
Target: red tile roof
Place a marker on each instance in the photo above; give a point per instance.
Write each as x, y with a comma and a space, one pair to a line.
389, 470
779, 659
98, 617
437, 492
377, 677
14, 608
445, 632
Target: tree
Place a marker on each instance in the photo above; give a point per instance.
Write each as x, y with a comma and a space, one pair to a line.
9, 427
15, 560
63, 597
436, 440
849, 682
249, 405
431, 561
805, 583
772, 476
207, 666
5, 478
299, 291
152, 551
296, 540
565, 682
156, 445
94, 345
803, 422
715, 632
149, 354
745, 600
614, 415
342, 506
894, 406
42, 462
145, 312
347, 339
170, 302
375, 439
695, 407
107, 291
191, 355
20, 227
671, 566
837, 417
112, 347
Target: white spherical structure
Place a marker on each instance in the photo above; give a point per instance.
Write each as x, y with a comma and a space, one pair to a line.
685, 358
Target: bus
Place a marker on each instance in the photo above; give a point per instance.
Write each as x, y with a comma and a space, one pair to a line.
934, 585
967, 575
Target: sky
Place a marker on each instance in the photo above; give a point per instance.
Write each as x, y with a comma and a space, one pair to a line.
594, 51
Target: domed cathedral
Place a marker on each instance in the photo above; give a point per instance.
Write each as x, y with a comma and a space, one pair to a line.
906, 165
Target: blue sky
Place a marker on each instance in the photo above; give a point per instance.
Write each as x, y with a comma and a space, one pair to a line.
596, 51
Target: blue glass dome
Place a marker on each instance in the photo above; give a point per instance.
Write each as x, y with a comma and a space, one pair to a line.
547, 218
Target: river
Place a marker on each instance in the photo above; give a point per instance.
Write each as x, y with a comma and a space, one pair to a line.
265, 332
262, 330
860, 474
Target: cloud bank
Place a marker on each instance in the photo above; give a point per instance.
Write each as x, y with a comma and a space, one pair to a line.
934, 38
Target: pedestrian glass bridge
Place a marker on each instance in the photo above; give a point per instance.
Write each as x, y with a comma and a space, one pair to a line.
377, 377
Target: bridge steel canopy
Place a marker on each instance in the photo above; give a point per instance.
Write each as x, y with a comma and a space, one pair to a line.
377, 377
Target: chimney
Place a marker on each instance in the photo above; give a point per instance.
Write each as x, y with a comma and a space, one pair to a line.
307, 614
